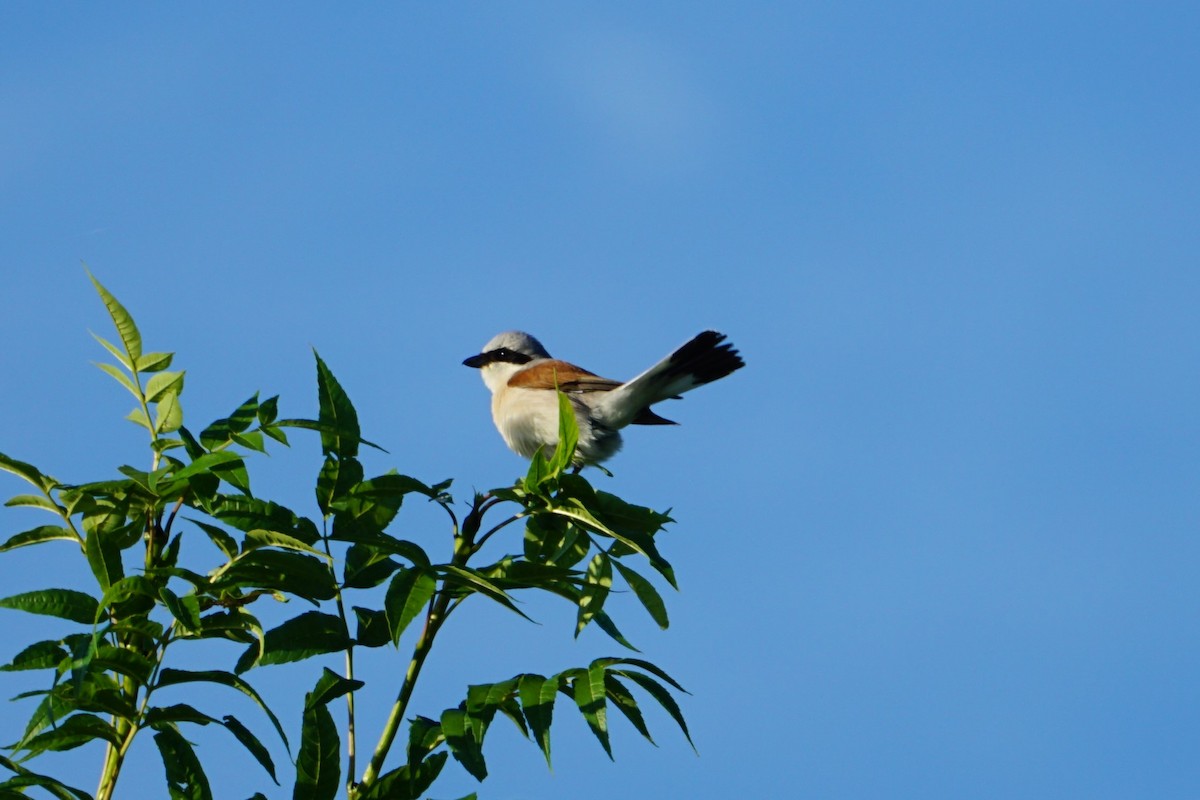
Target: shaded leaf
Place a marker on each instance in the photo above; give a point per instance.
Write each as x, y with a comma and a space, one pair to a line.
318, 767
312, 633
39, 655
251, 743
646, 593
340, 435
172, 677
463, 746
407, 594
537, 703
185, 775
330, 686
594, 591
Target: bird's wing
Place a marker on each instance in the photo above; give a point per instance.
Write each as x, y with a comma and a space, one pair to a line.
556, 374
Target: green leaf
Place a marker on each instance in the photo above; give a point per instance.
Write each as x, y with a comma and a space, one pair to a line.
160, 717
318, 768
247, 513
104, 557
341, 433
152, 362
42, 533
260, 537
408, 782
330, 686
28, 472
76, 730
278, 570
120, 377
116, 352
64, 603
537, 703
173, 677
25, 777
472, 581
168, 415
163, 383
224, 542
126, 329
568, 436
590, 697
185, 775
268, 410
364, 567
594, 590
626, 704
463, 746
373, 629
39, 655
646, 593
407, 594
124, 661
336, 478
221, 431
34, 501
659, 693
251, 743
186, 610
312, 633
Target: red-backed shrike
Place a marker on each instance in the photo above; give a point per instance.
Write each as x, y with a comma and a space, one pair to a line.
523, 377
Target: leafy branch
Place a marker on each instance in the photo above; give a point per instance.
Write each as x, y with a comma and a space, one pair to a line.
117, 675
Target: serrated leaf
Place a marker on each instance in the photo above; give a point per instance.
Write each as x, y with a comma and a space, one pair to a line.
341, 433
590, 698
646, 593
260, 537
221, 431
594, 591
318, 768
624, 702
42, 533
278, 570
185, 775
76, 730
312, 633
473, 581
126, 329
33, 501
39, 655
154, 362
407, 594
64, 603
28, 472
330, 686
664, 698
537, 703
186, 609
463, 746
104, 557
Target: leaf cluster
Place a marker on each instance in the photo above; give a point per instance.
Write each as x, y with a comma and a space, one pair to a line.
112, 677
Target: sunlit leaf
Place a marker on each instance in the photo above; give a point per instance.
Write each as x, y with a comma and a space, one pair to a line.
163, 382
341, 434
590, 697
39, 655
186, 609
594, 590
126, 329
42, 533
65, 603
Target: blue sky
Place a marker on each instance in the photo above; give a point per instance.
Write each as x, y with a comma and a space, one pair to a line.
937, 540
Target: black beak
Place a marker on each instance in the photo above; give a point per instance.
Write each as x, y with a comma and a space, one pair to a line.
475, 361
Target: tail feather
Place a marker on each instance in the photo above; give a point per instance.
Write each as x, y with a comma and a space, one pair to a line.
702, 360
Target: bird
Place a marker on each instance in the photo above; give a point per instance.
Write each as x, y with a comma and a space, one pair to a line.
523, 379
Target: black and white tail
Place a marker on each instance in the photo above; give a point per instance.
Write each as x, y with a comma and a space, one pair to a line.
702, 360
